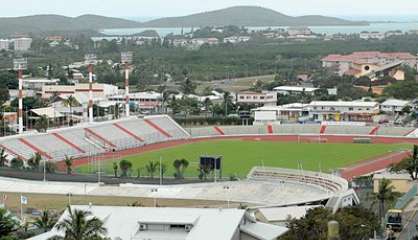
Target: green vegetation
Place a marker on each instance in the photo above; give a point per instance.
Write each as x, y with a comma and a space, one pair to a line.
355, 223
240, 156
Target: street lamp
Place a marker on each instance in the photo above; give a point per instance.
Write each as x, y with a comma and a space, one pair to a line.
154, 191
226, 189
126, 60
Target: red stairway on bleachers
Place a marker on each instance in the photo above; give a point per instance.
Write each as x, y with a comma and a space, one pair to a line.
96, 135
374, 130
270, 129
323, 129
158, 128
35, 148
68, 142
12, 152
125, 130
219, 130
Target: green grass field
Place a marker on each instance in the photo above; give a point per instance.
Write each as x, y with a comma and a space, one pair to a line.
240, 156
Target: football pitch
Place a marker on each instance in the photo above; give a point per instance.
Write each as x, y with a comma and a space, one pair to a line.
239, 156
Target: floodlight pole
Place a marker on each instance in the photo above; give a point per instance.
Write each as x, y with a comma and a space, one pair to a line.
90, 69
20, 111
127, 90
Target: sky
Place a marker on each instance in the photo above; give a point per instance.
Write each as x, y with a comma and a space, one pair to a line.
164, 8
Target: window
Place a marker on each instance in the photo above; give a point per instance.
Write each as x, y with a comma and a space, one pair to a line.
350, 109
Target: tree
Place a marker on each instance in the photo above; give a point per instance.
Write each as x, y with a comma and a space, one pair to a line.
384, 195
71, 102
409, 164
68, 164
80, 225
46, 221
41, 124
227, 102
3, 157
180, 165
7, 223
188, 86
152, 167
34, 161
125, 166
355, 223
115, 169
16, 163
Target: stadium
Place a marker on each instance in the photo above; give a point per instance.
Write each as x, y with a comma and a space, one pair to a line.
285, 182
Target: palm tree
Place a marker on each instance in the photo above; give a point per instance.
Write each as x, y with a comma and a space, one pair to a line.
227, 100
41, 124
180, 165
68, 164
385, 194
125, 166
7, 223
45, 222
115, 169
34, 161
152, 168
3, 157
71, 102
80, 225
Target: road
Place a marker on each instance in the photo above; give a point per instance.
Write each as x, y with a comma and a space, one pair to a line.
410, 217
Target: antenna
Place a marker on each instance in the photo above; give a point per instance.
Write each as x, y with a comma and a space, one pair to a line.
20, 64
126, 60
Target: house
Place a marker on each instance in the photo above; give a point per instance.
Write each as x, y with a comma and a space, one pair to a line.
372, 64
38, 83
393, 105
4, 44
354, 111
176, 223
143, 100
299, 31
259, 98
401, 182
372, 35
295, 90
22, 44
278, 114
236, 39
99, 90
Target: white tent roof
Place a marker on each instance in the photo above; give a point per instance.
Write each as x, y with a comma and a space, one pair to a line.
49, 112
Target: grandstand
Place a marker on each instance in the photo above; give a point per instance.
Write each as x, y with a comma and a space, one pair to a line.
94, 139
98, 138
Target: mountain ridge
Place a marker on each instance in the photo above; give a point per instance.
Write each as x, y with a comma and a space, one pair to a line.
240, 16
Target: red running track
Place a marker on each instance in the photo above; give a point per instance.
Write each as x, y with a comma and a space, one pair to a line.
369, 166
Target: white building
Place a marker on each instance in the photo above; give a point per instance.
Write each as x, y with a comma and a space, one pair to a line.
144, 100
99, 90
236, 39
372, 35
354, 111
38, 83
140, 223
299, 31
393, 105
261, 98
278, 114
22, 44
4, 44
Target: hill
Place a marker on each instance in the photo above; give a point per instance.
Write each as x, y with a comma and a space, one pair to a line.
49, 23
247, 16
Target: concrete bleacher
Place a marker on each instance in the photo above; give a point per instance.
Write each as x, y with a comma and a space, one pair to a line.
52, 146
325, 181
13, 145
116, 136
143, 130
348, 130
394, 131
170, 126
